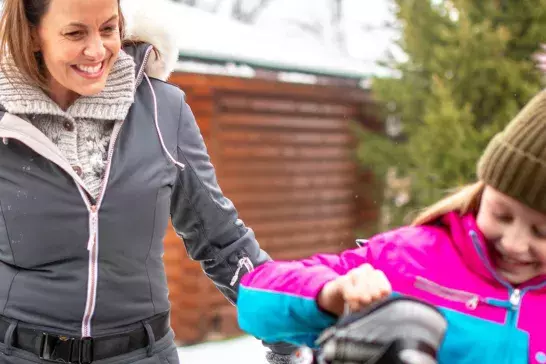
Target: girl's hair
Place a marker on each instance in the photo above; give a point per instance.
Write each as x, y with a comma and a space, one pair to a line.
464, 200
20, 19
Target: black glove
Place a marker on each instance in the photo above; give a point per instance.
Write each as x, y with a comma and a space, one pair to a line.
395, 331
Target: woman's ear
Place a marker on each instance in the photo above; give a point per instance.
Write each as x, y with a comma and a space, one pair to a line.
35, 39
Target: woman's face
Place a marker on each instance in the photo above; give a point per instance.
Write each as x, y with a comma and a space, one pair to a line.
79, 41
516, 236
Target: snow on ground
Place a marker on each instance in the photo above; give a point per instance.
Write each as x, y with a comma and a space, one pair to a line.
243, 350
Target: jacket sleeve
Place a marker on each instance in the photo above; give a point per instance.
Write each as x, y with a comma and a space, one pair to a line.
277, 301
205, 219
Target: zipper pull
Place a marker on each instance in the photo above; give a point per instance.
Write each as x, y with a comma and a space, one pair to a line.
236, 275
93, 227
515, 298
243, 262
472, 303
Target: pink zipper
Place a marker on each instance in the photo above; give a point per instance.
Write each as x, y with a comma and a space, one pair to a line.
93, 243
470, 300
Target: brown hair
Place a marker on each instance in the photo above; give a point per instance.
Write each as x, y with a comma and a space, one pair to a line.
464, 200
19, 19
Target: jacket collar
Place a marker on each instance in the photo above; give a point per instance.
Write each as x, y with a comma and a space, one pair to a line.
471, 244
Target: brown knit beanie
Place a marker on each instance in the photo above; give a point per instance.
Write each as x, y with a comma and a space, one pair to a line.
514, 162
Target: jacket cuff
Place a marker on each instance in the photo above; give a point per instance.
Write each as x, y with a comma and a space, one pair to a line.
274, 358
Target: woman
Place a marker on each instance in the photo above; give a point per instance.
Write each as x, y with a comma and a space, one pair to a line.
97, 154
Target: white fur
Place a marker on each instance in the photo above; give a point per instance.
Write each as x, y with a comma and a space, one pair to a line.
146, 22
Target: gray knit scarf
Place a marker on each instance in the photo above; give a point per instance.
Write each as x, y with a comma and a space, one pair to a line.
82, 132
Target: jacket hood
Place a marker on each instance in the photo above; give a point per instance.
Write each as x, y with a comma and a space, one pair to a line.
144, 27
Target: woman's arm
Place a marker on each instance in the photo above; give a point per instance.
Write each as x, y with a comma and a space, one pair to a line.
205, 219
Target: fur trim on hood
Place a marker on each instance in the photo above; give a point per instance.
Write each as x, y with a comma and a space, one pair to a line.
143, 23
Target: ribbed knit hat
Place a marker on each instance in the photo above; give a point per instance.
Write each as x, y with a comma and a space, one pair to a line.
514, 162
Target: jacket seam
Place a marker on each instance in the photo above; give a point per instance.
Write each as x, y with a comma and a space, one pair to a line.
7, 233
188, 163
183, 101
9, 293
148, 254
13, 257
214, 250
186, 197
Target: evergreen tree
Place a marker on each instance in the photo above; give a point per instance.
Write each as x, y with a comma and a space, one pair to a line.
469, 69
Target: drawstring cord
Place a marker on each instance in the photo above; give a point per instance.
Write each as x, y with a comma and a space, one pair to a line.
177, 163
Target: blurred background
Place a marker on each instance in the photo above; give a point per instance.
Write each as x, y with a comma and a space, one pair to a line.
329, 120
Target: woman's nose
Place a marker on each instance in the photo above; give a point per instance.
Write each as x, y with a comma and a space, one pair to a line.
95, 48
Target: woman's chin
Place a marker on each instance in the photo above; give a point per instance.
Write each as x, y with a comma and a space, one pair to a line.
90, 89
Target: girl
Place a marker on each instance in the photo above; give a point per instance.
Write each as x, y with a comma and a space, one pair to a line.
479, 256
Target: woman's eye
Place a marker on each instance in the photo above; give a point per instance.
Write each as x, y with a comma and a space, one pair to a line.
109, 30
74, 34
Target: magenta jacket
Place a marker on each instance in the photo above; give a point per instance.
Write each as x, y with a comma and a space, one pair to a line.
445, 264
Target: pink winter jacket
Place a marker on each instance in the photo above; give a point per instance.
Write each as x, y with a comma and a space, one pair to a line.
445, 264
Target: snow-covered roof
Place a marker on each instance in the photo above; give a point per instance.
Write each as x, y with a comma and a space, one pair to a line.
210, 37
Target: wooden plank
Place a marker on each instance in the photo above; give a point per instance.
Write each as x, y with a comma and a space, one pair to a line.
264, 229
228, 136
201, 106
279, 105
231, 153
315, 240
205, 124
286, 122
243, 198
298, 253
286, 167
186, 335
283, 183
274, 168
174, 270
302, 211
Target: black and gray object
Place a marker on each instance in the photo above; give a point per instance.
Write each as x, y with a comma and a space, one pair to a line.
395, 331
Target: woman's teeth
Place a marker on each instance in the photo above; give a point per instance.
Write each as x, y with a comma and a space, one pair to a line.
89, 69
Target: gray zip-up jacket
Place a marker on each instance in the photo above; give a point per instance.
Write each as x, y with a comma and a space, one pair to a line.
87, 266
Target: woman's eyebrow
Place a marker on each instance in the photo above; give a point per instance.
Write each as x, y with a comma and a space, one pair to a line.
78, 24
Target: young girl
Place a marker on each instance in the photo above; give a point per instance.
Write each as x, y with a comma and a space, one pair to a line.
479, 256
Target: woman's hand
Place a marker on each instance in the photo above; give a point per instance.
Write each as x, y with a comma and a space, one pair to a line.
358, 288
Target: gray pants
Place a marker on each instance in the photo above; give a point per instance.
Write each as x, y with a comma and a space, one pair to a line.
162, 352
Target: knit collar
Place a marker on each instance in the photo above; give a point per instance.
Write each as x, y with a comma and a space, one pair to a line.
112, 103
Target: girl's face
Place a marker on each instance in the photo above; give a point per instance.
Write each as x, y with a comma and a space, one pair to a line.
516, 236
79, 41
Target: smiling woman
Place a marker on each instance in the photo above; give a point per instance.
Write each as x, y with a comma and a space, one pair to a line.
73, 45
92, 166
79, 45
